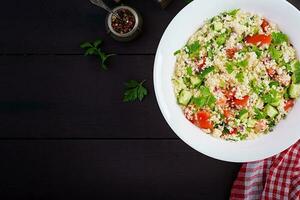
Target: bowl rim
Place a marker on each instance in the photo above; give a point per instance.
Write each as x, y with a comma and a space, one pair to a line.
161, 104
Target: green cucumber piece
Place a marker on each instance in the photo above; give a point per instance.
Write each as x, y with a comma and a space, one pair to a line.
218, 26
195, 81
296, 72
275, 103
184, 97
243, 114
294, 91
270, 111
251, 123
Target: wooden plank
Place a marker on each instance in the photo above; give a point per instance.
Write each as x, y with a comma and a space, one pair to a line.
59, 27
111, 170
69, 96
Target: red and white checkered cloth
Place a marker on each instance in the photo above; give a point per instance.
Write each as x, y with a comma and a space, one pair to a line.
277, 177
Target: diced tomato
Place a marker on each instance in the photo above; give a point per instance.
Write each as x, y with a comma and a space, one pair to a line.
203, 115
200, 63
265, 25
206, 124
230, 52
271, 72
289, 104
241, 102
203, 120
259, 39
227, 114
222, 102
233, 131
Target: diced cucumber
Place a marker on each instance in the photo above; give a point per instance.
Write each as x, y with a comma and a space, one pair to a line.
275, 102
195, 81
260, 103
270, 111
295, 65
296, 72
251, 123
243, 114
218, 26
294, 91
184, 97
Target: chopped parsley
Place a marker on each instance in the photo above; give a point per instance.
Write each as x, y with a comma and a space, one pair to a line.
193, 49
189, 70
278, 38
240, 77
206, 98
229, 68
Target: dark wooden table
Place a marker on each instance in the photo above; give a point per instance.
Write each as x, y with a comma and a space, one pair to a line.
65, 132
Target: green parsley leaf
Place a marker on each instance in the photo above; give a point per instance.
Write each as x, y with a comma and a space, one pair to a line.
210, 54
189, 70
211, 100
206, 71
193, 49
278, 38
186, 81
86, 45
256, 50
254, 87
242, 136
274, 83
177, 52
92, 48
221, 39
240, 77
242, 112
275, 54
233, 12
229, 68
243, 63
259, 114
97, 43
199, 101
271, 96
134, 91
206, 98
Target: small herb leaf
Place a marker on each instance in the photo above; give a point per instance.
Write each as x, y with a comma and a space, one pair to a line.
134, 91
94, 49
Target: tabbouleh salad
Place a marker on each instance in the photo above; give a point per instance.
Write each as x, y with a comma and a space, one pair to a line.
237, 76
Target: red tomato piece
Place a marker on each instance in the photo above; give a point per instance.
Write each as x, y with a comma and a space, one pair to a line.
289, 104
203, 120
200, 63
259, 39
271, 72
265, 25
206, 124
227, 114
241, 102
203, 115
234, 131
230, 52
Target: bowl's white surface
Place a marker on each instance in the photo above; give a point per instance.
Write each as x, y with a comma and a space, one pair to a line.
187, 21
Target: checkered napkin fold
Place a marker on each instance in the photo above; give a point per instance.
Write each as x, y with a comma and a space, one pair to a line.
277, 177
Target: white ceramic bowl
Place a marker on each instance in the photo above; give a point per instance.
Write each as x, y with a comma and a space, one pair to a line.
186, 22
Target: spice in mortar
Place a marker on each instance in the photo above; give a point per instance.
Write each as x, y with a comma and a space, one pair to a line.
126, 24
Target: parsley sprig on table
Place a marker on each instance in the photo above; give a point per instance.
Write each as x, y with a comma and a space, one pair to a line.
92, 48
134, 91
